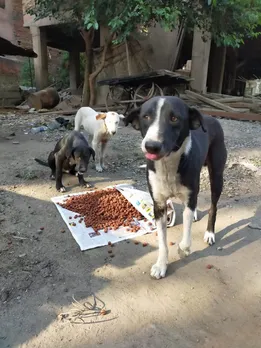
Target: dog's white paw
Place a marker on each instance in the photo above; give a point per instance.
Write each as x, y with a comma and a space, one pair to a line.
158, 270
195, 218
183, 250
62, 189
209, 237
99, 168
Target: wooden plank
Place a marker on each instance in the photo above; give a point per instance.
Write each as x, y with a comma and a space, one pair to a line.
210, 101
232, 115
230, 100
245, 105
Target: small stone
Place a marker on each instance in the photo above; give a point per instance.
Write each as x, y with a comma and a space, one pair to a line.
219, 248
16, 142
209, 266
5, 295
22, 255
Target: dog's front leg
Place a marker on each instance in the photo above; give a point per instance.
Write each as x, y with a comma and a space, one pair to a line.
159, 269
184, 245
82, 182
59, 159
95, 146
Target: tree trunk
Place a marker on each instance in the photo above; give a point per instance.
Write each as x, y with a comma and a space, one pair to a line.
88, 39
93, 76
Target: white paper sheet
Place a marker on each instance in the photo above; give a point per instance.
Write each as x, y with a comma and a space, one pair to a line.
86, 238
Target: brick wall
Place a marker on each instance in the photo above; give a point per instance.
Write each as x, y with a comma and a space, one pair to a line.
21, 34
12, 28
9, 84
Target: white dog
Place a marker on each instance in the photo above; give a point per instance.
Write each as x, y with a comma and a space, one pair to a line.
100, 127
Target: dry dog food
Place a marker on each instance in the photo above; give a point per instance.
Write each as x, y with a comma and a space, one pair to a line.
104, 210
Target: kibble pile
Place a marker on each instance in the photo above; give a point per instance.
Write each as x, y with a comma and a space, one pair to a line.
104, 209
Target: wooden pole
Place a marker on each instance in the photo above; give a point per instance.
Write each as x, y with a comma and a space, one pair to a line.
128, 57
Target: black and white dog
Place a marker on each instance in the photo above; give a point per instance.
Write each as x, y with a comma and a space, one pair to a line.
177, 142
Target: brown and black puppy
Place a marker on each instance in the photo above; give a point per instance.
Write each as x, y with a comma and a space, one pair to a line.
70, 152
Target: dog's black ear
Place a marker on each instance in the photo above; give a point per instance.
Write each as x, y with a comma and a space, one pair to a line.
70, 153
195, 119
92, 153
133, 118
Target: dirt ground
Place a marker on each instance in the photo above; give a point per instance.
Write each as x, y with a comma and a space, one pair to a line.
194, 306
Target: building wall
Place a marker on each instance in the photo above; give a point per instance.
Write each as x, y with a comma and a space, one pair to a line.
6, 28
11, 24
159, 47
12, 28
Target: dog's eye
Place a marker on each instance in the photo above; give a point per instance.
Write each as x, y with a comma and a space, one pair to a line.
174, 119
146, 117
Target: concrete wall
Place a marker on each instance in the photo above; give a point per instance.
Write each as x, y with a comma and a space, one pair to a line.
30, 20
159, 47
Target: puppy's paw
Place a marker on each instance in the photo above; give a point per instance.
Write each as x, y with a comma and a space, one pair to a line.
61, 189
85, 184
209, 238
183, 250
99, 168
158, 270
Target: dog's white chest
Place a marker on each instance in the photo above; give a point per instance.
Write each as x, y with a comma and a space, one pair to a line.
165, 181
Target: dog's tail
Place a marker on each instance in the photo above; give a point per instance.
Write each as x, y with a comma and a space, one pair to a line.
41, 162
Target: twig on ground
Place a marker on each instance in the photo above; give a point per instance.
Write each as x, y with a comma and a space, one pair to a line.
85, 311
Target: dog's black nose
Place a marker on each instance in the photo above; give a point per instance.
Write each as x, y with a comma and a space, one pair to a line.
153, 146
113, 133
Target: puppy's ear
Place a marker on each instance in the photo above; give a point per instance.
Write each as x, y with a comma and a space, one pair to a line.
92, 153
133, 118
101, 116
195, 119
121, 116
70, 153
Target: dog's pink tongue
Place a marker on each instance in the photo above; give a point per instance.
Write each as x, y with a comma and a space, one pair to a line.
151, 156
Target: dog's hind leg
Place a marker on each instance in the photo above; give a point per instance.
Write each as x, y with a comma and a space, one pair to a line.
159, 269
103, 149
216, 164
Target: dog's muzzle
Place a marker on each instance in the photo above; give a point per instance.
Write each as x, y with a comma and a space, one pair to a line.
153, 147
153, 150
